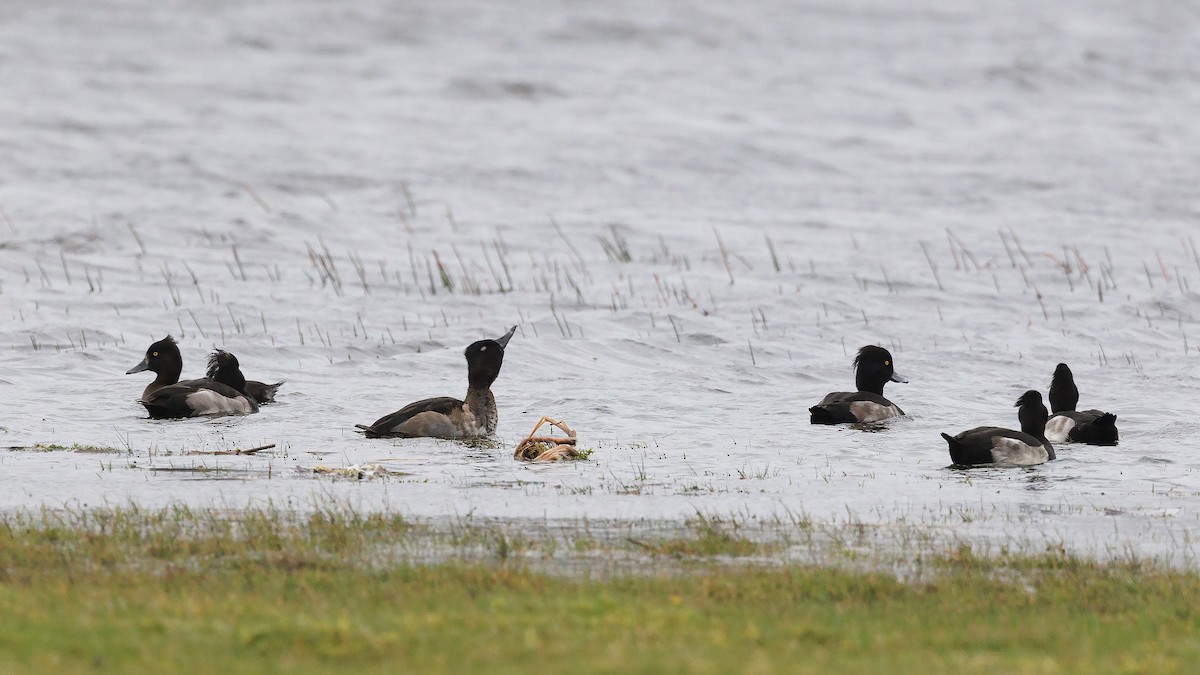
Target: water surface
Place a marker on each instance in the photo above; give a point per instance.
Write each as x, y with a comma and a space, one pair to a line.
695, 212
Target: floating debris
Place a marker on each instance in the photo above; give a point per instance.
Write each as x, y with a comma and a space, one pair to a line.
235, 451
74, 447
549, 448
363, 472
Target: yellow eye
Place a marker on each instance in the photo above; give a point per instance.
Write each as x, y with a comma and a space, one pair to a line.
886, 363
154, 354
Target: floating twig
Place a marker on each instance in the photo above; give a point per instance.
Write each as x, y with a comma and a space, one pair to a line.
548, 448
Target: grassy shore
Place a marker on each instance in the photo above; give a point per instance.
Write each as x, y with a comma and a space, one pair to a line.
334, 591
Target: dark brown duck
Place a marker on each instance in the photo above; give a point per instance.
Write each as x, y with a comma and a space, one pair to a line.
446, 417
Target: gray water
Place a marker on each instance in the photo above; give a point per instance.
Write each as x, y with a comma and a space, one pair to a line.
985, 190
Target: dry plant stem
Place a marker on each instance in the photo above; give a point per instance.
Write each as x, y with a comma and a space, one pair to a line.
559, 446
551, 439
236, 451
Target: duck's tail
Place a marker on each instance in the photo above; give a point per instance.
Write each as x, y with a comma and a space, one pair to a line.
267, 393
822, 415
160, 411
958, 454
1106, 428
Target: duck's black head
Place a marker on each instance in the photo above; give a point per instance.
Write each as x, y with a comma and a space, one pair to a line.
223, 367
1032, 413
484, 359
163, 358
1064, 395
873, 369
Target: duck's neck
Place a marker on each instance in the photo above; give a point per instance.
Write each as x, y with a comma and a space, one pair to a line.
162, 379
869, 386
483, 405
1062, 398
1037, 430
1034, 423
167, 377
234, 379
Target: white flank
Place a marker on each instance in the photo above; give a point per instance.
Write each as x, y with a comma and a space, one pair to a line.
209, 402
1011, 451
1058, 427
866, 411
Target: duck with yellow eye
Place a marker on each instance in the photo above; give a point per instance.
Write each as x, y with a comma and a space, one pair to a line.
167, 397
163, 359
873, 369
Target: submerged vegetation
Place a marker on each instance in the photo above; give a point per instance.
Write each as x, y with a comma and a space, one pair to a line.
334, 590
74, 447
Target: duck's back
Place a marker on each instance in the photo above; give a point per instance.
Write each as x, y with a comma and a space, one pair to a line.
192, 398
853, 406
997, 445
1094, 427
431, 417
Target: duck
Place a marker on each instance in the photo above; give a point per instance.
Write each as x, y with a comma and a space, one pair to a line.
450, 418
873, 369
163, 359
994, 445
261, 393
1094, 427
168, 398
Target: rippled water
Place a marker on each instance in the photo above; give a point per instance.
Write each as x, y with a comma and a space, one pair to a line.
985, 191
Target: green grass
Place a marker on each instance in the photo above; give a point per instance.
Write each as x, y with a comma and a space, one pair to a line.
709, 538
127, 590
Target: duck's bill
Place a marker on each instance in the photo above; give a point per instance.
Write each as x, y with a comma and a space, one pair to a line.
897, 377
144, 365
507, 336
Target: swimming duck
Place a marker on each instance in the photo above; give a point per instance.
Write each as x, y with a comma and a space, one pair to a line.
994, 445
260, 392
447, 417
164, 359
167, 397
873, 369
1094, 427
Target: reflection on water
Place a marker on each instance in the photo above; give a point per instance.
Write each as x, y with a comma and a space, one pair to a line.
875, 427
